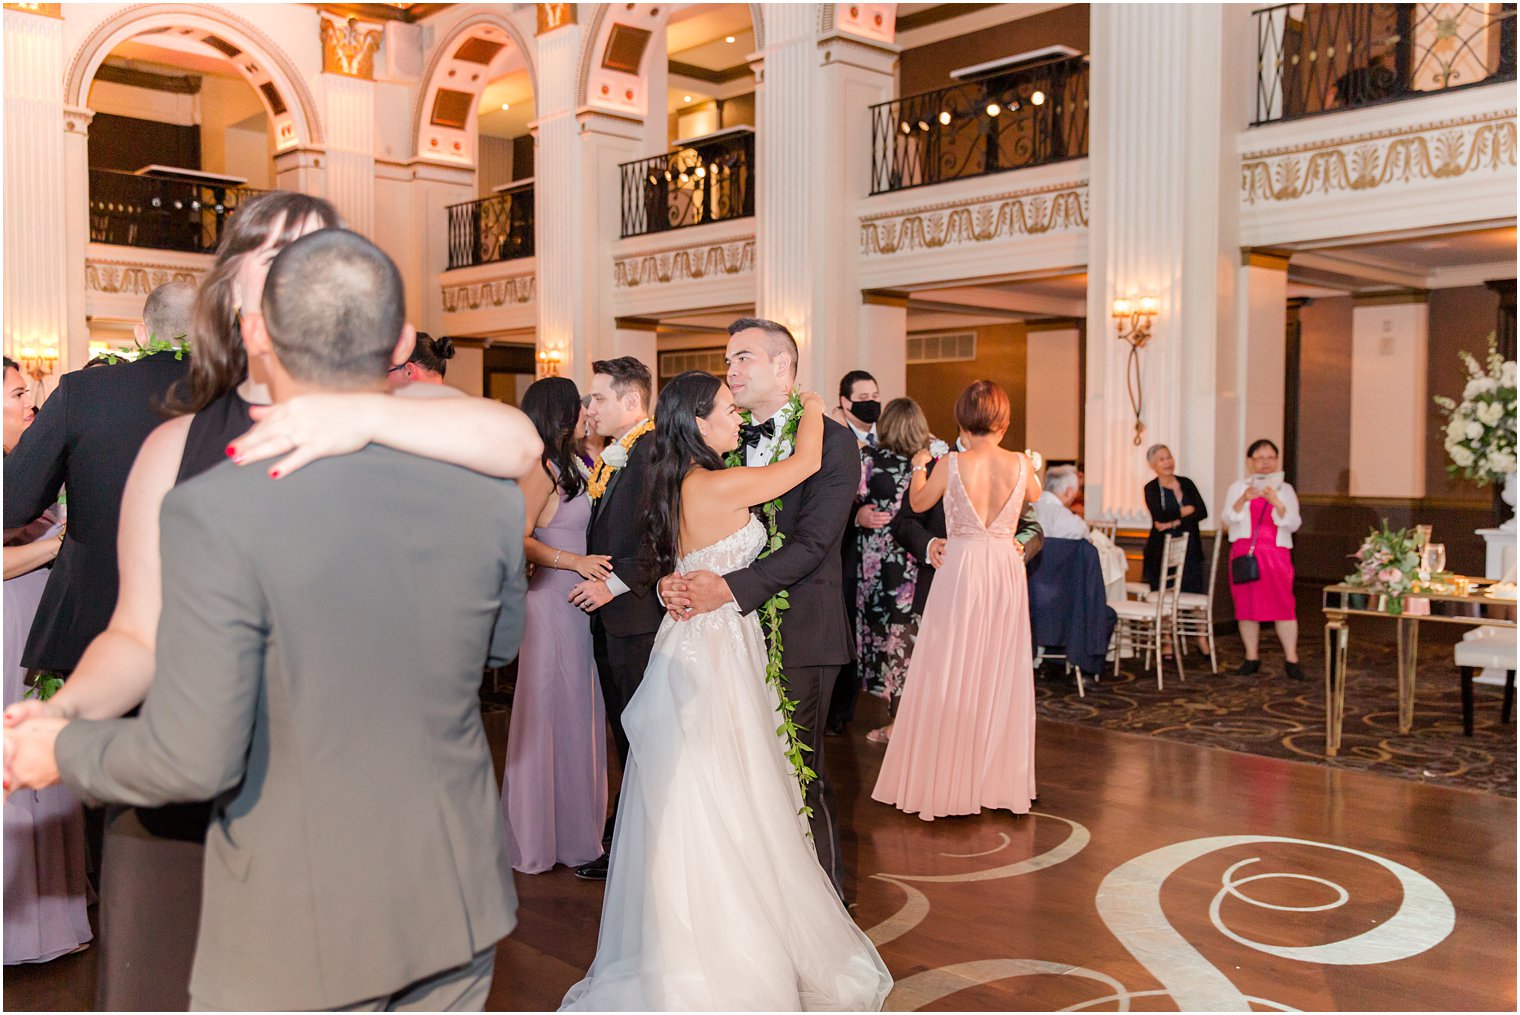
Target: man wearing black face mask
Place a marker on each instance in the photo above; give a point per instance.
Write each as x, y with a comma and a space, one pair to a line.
860, 405
859, 408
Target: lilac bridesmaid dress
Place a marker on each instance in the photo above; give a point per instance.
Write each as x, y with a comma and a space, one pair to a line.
554, 788
44, 832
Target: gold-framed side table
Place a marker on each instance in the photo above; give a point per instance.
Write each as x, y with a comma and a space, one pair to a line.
1341, 602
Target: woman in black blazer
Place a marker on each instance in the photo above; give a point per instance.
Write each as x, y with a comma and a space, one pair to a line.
1176, 507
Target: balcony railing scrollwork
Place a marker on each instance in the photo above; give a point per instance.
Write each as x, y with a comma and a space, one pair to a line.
710, 179
495, 228
1319, 58
1029, 116
164, 214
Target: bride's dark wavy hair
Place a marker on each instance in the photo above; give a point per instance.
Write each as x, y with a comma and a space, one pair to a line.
554, 405
678, 448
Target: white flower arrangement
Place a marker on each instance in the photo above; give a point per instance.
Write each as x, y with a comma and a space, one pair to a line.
1480, 430
938, 448
615, 455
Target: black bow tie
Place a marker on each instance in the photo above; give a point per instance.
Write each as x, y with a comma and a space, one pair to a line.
751, 433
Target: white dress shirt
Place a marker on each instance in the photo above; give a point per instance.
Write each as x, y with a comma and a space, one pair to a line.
863, 436
1058, 520
760, 454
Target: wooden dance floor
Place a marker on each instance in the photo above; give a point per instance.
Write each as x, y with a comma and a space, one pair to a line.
1153, 875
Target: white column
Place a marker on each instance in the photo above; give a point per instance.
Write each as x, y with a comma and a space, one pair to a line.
1053, 399
637, 338
36, 274
1389, 408
576, 207
350, 120
76, 187
1170, 91
1263, 346
882, 343
813, 165
433, 189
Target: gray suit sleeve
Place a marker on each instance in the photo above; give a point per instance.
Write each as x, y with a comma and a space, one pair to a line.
190, 741
507, 636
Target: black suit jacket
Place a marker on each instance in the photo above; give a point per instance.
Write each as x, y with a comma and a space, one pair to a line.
616, 529
914, 529
85, 438
812, 519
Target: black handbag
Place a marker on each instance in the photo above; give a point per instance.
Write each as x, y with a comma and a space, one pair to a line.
1244, 570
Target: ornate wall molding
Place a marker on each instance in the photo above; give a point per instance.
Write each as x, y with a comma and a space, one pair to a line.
1446, 149
1004, 216
129, 279
349, 46
685, 264
491, 292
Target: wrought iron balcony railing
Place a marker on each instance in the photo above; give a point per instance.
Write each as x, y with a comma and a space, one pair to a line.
495, 228
1319, 58
164, 214
711, 179
1031, 116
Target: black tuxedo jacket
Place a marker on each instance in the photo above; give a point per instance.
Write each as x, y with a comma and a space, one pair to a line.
616, 529
85, 438
812, 519
914, 529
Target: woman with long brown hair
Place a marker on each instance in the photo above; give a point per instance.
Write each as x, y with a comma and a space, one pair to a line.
152, 873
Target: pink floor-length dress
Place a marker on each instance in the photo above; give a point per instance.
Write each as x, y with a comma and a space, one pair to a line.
964, 735
45, 886
554, 787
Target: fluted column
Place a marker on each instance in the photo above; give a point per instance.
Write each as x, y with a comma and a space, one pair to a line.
36, 277
350, 169
1170, 92
813, 166
559, 207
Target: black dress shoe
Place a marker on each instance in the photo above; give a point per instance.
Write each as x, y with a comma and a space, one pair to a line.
1248, 668
596, 870
835, 728
1295, 671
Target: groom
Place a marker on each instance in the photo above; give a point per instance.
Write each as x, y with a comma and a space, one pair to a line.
815, 636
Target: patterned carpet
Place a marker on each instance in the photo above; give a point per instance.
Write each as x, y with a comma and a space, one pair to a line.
1271, 715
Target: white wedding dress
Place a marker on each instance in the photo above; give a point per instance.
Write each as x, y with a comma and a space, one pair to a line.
715, 900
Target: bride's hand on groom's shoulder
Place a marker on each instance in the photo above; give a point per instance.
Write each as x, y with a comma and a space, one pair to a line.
812, 402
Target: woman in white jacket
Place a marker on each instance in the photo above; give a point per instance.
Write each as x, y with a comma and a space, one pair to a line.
1261, 511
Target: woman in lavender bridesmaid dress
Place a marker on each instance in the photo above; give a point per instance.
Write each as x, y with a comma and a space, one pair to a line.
554, 788
44, 829
964, 735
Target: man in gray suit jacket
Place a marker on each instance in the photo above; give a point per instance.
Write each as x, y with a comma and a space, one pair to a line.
319, 662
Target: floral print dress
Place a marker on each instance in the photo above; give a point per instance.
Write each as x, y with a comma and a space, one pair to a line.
885, 625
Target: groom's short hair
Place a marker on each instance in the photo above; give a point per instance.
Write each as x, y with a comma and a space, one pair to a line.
334, 307
627, 372
778, 341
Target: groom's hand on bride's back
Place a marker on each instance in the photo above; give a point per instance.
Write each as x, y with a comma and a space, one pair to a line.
687, 595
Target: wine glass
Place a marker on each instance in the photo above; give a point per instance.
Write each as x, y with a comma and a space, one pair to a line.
1435, 557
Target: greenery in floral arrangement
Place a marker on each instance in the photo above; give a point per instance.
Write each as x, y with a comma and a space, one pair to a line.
1480, 429
179, 345
770, 613
44, 686
1388, 564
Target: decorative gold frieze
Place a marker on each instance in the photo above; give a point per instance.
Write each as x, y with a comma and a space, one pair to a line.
348, 47
1005, 216
495, 292
685, 264
1444, 150
121, 278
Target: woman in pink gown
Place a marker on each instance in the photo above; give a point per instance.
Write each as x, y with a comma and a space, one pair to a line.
964, 736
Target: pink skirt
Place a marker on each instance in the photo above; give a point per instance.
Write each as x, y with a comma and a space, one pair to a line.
1271, 597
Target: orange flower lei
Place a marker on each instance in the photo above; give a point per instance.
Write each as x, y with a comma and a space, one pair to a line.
602, 474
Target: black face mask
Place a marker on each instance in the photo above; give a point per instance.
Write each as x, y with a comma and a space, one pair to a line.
867, 412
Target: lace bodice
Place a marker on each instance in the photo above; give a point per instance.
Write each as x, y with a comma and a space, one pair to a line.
961, 519
732, 552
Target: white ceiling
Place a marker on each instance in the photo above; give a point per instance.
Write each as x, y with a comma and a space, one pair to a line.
1418, 262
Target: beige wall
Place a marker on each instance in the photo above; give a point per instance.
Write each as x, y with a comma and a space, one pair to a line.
1001, 355
1324, 429
1459, 319
1053, 405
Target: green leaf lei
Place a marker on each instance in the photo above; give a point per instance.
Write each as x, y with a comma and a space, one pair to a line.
770, 612
136, 351
44, 685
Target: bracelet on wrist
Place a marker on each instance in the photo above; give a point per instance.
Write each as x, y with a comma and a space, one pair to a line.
557, 555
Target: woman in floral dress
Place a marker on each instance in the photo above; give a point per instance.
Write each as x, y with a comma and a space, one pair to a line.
886, 624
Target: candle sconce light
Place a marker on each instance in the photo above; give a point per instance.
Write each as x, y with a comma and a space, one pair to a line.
1132, 324
549, 361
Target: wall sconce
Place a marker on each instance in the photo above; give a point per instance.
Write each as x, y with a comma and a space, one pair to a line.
37, 362
1132, 324
549, 361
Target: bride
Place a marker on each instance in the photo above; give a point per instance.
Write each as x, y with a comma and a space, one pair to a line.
715, 899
